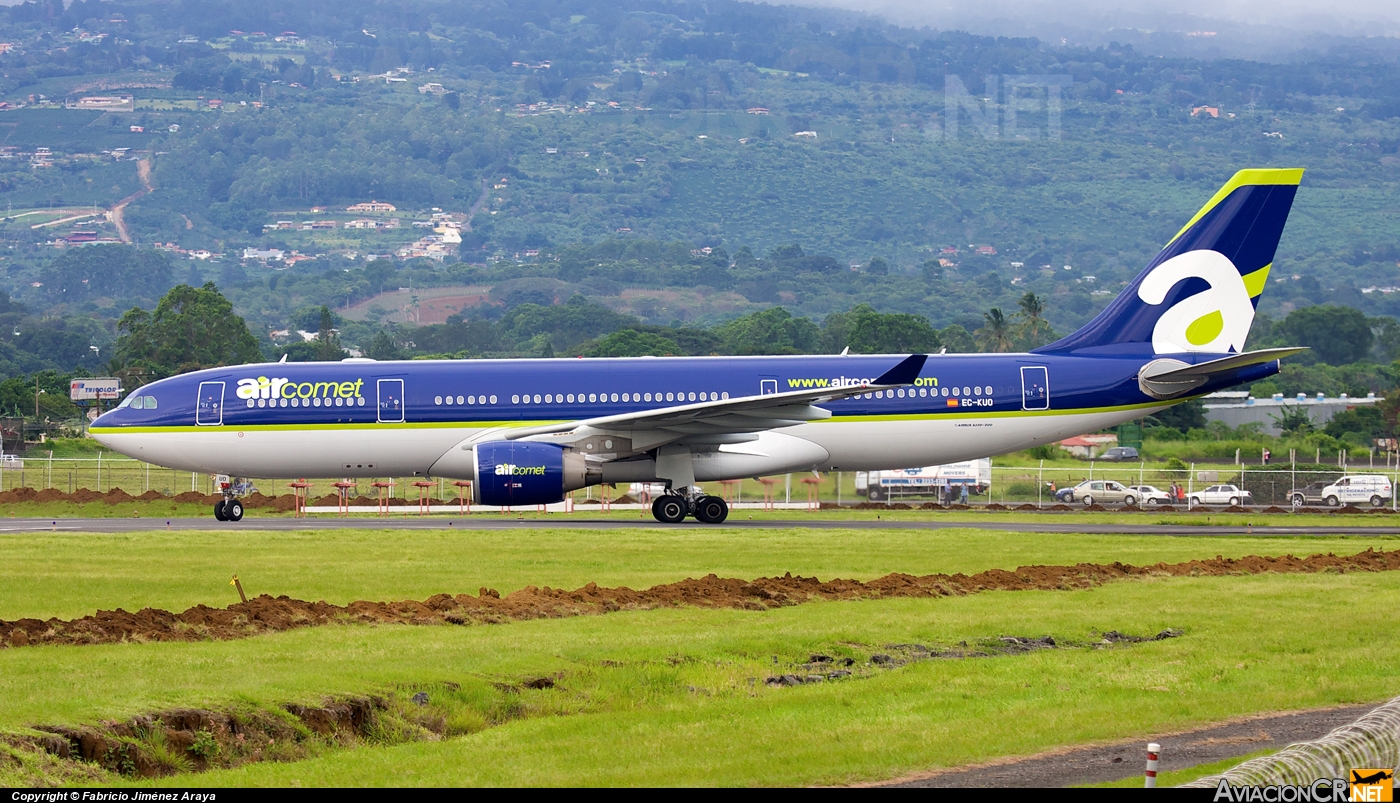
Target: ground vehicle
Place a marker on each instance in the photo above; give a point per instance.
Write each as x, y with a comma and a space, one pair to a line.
1222, 495
1310, 494
1120, 453
878, 486
1150, 495
1091, 492
1358, 488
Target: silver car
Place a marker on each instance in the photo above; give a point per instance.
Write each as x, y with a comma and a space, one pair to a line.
1091, 492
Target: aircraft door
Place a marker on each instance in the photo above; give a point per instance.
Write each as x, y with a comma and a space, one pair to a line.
391, 401
209, 406
1035, 387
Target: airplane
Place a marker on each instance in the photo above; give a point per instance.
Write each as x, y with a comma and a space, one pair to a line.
530, 431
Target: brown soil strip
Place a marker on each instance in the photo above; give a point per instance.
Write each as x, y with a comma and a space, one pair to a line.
1113, 762
267, 614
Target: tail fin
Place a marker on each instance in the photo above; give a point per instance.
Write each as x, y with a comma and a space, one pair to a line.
1199, 294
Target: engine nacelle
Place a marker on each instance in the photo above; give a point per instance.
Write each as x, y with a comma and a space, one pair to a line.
525, 473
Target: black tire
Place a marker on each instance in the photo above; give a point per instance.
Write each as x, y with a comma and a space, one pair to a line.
1377, 501
1130, 500
1333, 501
711, 509
1087, 500
1234, 501
875, 495
669, 509
233, 510
219, 511
1299, 500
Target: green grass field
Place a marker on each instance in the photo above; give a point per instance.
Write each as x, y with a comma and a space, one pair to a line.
676, 696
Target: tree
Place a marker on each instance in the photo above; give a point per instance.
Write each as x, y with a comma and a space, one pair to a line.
878, 267
1364, 423
328, 347
866, 331
1182, 417
631, 343
1032, 330
191, 328
1336, 335
771, 331
1293, 421
995, 335
383, 347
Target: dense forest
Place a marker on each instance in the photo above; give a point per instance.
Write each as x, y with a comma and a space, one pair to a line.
654, 177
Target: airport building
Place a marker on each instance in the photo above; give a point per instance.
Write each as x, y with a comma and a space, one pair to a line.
1236, 407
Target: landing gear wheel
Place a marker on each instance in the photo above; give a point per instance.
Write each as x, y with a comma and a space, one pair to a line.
233, 510
711, 509
669, 509
219, 511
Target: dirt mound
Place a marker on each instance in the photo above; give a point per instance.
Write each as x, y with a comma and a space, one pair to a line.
266, 613
1274, 509
83, 496
1027, 506
15, 495
196, 498
50, 495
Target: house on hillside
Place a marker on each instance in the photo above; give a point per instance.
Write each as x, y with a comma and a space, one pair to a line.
372, 206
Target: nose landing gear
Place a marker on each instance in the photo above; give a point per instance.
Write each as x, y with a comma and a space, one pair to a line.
228, 510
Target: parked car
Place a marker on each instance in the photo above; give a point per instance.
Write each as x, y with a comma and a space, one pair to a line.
1120, 453
1222, 495
1099, 491
1356, 489
1151, 495
1310, 494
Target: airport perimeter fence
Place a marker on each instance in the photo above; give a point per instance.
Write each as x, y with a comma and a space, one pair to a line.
1036, 486
1369, 744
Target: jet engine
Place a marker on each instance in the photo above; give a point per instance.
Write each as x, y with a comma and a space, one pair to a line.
525, 473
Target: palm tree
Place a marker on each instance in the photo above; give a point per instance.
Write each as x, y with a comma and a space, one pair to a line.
1033, 330
995, 335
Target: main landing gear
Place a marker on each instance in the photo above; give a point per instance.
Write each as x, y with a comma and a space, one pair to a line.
672, 508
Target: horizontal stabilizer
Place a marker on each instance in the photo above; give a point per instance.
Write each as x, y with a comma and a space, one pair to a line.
1166, 378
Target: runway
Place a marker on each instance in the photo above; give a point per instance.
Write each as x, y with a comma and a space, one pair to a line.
497, 522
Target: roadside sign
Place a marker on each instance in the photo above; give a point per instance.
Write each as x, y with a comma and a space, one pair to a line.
89, 388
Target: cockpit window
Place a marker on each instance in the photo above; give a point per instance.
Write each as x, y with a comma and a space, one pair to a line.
150, 402
138, 403
125, 402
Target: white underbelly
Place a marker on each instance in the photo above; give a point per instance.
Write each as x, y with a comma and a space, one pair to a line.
878, 445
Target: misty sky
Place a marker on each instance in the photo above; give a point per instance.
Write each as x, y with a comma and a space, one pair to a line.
1344, 17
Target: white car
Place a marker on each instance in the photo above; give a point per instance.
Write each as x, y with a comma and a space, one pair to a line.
1358, 489
1222, 495
1151, 495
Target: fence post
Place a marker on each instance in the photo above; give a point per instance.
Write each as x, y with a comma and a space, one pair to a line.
838, 489
1040, 484
1091, 469
99, 472
1190, 478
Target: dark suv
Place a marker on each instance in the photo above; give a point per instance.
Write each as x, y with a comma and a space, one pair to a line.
1120, 453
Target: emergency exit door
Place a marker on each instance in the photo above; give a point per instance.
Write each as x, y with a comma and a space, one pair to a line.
209, 407
391, 402
1035, 388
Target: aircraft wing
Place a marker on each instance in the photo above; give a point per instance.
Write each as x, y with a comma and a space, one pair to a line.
712, 421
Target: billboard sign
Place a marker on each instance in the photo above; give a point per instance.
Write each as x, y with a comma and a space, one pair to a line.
89, 388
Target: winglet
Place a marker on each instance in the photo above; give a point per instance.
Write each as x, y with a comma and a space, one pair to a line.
905, 373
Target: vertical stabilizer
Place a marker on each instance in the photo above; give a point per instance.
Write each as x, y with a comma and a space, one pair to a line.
1199, 294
